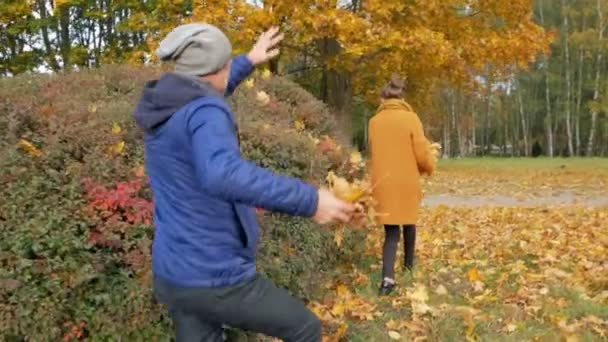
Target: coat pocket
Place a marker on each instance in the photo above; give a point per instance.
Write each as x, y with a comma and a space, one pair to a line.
249, 224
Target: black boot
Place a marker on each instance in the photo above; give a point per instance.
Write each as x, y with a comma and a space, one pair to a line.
387, 286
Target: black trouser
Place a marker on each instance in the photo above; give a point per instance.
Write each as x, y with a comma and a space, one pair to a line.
256, 306
391, 242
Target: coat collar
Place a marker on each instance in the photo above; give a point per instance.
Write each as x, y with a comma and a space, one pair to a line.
395, 104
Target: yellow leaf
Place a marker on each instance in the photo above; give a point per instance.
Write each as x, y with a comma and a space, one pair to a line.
474, 275
419, 294
392, 325
263, 97
441, 290
299, 125
356, 158
29, 148
339, 334
117, 149
116, 129
249, 83
342, 291
510, 327
339, 237
338, 310
394, 335
140, 172
266, 74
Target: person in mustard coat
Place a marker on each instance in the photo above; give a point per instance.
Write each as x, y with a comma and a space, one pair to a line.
400, 154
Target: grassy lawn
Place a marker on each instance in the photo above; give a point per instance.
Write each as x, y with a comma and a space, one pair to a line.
486, 274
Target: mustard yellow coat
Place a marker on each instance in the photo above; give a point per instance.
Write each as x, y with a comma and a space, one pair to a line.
400, 153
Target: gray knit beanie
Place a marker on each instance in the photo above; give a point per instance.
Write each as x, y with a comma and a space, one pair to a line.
196, 49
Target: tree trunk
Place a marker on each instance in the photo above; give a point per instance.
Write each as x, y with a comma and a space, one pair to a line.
44, 30
66, 43
336, 89
579, 103
486, 125
568, 105
598, 74
524, 124
446, 138
548, 118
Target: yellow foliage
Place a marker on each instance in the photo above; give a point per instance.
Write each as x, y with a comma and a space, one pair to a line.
29, 148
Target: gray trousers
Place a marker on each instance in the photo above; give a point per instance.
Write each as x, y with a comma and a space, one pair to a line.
391, 242
256, 306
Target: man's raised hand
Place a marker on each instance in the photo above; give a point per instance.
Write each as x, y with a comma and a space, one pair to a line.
266, 48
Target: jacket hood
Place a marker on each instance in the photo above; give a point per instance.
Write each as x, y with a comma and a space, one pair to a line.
164, 97
395, 104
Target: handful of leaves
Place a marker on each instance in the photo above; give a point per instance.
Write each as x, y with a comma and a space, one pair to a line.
435, 149
358, 192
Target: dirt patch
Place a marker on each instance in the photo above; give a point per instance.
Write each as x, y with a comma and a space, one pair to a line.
561, 199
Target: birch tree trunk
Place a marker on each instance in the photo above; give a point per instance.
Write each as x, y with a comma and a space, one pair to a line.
548, 118
568, 105
524, 124
598, 74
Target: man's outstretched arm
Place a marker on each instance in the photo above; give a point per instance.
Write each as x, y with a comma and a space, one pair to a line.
223, 173
265, 49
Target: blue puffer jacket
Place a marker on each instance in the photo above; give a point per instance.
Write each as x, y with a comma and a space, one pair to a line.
204, 193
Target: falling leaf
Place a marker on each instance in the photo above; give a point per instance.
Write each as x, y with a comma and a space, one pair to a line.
140, 171
441, 290
419, 294
510, 327
263, 97
299, 125
116, 129
117, 149
356, 160
394, 335
29, 148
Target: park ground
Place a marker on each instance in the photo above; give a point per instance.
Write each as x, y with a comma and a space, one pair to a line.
507, 250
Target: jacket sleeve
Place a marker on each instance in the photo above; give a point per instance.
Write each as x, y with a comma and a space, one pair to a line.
424, 158
240, 70
224, 174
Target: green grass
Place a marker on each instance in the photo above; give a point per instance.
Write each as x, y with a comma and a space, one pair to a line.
525, 163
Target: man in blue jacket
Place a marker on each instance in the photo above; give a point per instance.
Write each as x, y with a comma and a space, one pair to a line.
204, 195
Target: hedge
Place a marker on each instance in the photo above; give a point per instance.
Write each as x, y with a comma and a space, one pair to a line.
75, 208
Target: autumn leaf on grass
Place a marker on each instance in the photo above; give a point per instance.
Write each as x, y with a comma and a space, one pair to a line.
250, 83
29, 148
266, 74
394, 335
263, 97
418, 297
338, 335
